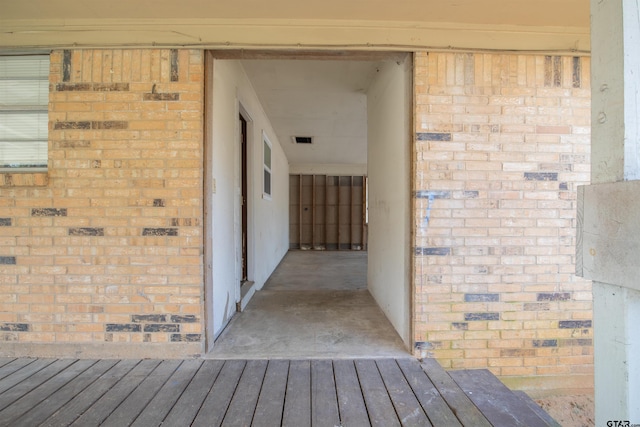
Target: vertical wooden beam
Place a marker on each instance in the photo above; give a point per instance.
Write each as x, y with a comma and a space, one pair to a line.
313, 211
338, 211
351, 212
300, 210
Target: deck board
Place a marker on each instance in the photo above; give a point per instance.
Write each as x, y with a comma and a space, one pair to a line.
297, 405
461, 405
77, 406
430, 399
324, 401
353, 411
19, 372
165, 399
48, 407
14, 365
187, 406
379, 405
44, 390
260, 393
217, 401
129, 410
271, 401
17, 391
109, 401
404, 400
501, 407
243, 404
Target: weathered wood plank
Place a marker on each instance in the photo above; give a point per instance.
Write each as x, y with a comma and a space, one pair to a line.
165, 399
217, 402
457, 400
536, 408
431, 401
39, 413
14, 365
379, 406
498, 404
5, 360
11, 395
324, 401
297, 406
23, 373
109, 401
44, 390
129, 410
271, 401
244, 401
186, 408
407, 406
68, 413
353, 411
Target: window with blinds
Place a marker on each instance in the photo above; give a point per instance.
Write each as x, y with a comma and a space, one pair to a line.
24, 99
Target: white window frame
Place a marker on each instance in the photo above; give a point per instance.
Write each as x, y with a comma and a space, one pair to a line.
28, 111
267, 169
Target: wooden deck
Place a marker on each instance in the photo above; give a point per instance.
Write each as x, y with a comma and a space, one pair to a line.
299, 393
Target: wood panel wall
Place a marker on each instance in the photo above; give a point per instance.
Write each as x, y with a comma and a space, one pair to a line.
327, 212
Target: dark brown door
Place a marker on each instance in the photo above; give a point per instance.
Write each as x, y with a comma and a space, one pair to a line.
243, 141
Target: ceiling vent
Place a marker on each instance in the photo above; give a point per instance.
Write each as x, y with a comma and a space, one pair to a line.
303, 140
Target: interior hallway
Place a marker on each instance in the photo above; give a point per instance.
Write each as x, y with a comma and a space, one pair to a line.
315, 305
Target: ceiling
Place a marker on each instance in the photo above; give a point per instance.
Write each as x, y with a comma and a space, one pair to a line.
324, 99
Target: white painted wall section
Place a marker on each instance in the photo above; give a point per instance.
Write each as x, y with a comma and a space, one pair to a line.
268, 218
389, 164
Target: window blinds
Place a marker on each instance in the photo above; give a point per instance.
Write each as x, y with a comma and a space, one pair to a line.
24, 98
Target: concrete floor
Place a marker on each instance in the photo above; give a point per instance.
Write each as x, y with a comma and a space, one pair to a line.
315, 305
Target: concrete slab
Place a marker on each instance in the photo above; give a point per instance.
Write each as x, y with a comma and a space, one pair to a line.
326, 316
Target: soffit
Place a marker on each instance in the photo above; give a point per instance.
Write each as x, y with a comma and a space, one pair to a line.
473, 24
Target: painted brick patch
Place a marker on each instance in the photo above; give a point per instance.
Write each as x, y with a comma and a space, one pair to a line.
541, 176
161, 327
5, 222
432, 194
433, 136
7, 260
123, 327
152, 318
556, 296
186, 337
433, 251
48, 212
14, 327
160, 232
161, 97
470, 317
184, 319
574, 324
545, 343
482, 297
92, 87
89, 231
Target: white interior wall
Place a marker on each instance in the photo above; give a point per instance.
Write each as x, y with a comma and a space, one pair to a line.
389, 112
268, 218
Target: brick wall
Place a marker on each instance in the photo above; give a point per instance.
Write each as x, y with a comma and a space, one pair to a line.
502, 141
107, 247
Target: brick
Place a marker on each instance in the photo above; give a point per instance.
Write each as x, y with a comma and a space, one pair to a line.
574, 324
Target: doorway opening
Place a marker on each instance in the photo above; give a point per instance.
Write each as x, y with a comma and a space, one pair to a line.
338, 128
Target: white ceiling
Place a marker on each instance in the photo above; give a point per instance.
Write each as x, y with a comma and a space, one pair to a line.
324, 99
